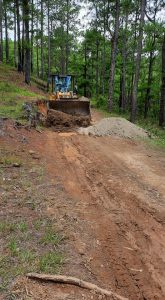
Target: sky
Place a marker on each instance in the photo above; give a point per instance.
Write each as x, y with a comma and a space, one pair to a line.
85, 17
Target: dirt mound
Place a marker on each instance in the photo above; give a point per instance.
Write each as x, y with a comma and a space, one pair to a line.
115, 126
57, 118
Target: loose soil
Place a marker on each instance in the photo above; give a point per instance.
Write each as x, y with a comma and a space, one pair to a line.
59, 119
107, 196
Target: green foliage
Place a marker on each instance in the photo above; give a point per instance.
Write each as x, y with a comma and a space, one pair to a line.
12, 96
23, 227
8, 90
10, 160
51, 237
7, 228
88, 52
12, 245
24, 252
10, 111
50, 262
157, 133
100, 102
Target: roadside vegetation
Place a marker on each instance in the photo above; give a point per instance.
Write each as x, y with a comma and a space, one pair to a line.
30, 240
13, 93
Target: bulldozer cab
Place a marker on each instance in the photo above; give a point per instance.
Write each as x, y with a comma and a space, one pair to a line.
64, 86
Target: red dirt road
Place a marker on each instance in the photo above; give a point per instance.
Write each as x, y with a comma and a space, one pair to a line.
113, 215
116, 216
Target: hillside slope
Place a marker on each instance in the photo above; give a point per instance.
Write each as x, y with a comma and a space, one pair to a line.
14, 92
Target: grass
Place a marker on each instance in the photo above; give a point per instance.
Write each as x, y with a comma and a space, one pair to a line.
10, 160
12, 246
6, 228
24, 253
10, 89
12, 96
12, 99
157, 133
50, 262
51, 237
29, 240
23, 227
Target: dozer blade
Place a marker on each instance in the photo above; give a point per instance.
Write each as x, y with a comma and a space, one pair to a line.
71, 106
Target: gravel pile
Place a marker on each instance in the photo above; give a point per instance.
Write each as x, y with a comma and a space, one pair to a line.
115, 126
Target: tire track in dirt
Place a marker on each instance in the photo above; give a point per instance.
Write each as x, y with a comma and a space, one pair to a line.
117, 237
147, 230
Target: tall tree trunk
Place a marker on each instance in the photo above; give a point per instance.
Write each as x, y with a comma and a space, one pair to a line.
32, 33
150, 69
62, 59
15, 37
37, 45
27, 45
85, 71
23, 41
1, 32
67, 36
97, 55
148, 92
162, 101
103, 52
6, 36
123, 69
62, 48
133, 60
97, 69
138, 61
48, 82
37, 54
42, 40
113, 55
19, 53
48, 40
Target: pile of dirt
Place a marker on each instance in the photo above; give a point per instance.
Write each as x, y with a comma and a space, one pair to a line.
57, 118
115, 126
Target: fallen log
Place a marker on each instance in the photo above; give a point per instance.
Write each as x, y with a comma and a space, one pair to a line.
74, 281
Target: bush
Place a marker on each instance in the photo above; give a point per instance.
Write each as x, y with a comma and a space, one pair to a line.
101, 102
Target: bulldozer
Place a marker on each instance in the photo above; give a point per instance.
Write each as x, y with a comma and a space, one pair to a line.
64, 107
64, 96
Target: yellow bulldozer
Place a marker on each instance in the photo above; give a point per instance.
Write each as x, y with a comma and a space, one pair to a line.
64, 96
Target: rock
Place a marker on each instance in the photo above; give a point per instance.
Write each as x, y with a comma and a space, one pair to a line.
15, 176
31, 152
35, 156
81, 248
17, 165
24, 140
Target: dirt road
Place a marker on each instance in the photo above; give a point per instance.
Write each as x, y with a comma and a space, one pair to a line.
108, 197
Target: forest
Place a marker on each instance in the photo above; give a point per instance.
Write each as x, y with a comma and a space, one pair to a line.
116, 49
